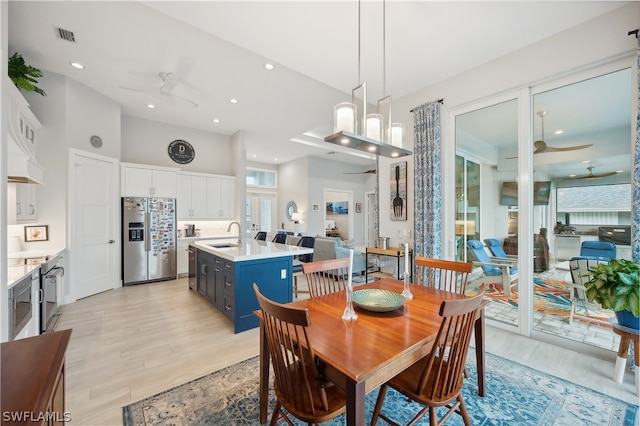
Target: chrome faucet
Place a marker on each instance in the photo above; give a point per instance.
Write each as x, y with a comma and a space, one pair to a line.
239, 231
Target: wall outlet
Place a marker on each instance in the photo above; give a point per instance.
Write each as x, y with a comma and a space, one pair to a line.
283, 274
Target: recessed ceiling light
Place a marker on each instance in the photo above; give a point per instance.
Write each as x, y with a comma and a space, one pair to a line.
275, 159
215, 120
77, 65
151, 106
585, 161
233, 100
254, 156
558, 132
268, 66
572, 175
619, 171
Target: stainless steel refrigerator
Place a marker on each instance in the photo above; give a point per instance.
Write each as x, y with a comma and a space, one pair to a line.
149, 239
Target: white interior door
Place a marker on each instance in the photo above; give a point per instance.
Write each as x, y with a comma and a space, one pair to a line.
94, 223
261, 213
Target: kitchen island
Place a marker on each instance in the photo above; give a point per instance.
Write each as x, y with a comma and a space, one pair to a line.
226, 272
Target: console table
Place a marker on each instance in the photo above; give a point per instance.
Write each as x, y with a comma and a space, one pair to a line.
396, 252
33, 379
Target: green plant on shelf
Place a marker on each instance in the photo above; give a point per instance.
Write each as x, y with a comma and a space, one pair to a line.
24, 76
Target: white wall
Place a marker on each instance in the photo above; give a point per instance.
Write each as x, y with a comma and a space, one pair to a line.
600, 40
293, 185
70, 114
147, 142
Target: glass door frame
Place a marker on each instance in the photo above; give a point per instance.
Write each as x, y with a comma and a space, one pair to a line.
525, 193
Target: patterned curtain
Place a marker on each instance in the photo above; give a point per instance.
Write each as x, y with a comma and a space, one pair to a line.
635, 210
428, 180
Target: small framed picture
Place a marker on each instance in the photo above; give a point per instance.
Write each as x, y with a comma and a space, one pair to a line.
315, 207
36, 233
358, 207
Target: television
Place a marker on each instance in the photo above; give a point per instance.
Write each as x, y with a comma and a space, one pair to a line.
541, 193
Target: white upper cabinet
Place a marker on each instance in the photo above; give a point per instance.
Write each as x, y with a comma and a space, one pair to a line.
221, 198
139, 180
192, 196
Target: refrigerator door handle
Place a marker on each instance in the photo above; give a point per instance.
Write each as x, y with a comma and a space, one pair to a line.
147, 240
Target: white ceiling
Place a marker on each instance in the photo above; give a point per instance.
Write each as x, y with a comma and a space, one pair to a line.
218, 48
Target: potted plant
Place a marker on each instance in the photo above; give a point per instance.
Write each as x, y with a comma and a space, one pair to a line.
24, 76
616, 286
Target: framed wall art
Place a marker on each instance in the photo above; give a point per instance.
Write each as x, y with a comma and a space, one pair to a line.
398, 191
36, 233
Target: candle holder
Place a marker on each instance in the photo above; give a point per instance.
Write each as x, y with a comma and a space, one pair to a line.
349, 313
406, 293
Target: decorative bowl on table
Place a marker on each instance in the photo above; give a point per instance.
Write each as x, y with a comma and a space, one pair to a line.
377, 300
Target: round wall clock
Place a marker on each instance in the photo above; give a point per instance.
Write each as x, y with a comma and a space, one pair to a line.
96, 141
181, 151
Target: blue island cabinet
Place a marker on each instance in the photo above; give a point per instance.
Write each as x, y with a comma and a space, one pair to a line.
228, 285
273, 277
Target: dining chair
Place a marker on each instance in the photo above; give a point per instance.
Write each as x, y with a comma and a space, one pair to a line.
300, 389
261, 235
436, 380
280, 238
308, 242
326, 276
447, 275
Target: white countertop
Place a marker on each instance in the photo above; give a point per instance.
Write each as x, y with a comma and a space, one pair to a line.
250, 250
210, 237
17, 273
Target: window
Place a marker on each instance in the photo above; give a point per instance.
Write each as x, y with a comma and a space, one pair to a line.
595, 204
263, 178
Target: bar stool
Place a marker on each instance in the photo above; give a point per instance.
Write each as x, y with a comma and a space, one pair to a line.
626, 336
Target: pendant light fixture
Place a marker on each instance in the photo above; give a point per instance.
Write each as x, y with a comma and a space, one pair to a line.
373, 133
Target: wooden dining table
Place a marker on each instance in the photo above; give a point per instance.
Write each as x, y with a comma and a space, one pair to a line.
363, 354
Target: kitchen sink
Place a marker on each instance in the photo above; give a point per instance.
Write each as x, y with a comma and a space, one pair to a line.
223, 245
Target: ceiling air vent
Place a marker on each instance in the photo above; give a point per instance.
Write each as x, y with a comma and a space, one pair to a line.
66, 35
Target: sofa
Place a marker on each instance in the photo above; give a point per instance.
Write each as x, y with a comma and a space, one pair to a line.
332, 248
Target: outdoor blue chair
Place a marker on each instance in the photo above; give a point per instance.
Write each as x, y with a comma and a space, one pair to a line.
604, 250
496, 249
495, 271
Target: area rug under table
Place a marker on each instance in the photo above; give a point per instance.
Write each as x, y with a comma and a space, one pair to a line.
516, 395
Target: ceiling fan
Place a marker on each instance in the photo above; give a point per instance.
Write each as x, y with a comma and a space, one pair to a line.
370, 171
591, 175
169, 81
542, 147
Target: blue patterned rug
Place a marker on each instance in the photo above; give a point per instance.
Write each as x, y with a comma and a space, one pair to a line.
516, 395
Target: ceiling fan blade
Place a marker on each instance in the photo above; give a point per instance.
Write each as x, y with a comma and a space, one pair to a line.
132, 89
568, 148
371, 171
184, 101
591, 175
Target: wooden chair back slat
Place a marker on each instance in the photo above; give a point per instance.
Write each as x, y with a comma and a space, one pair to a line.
326, 276
443, 274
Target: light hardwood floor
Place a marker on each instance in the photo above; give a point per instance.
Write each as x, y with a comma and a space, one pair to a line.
133, 342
